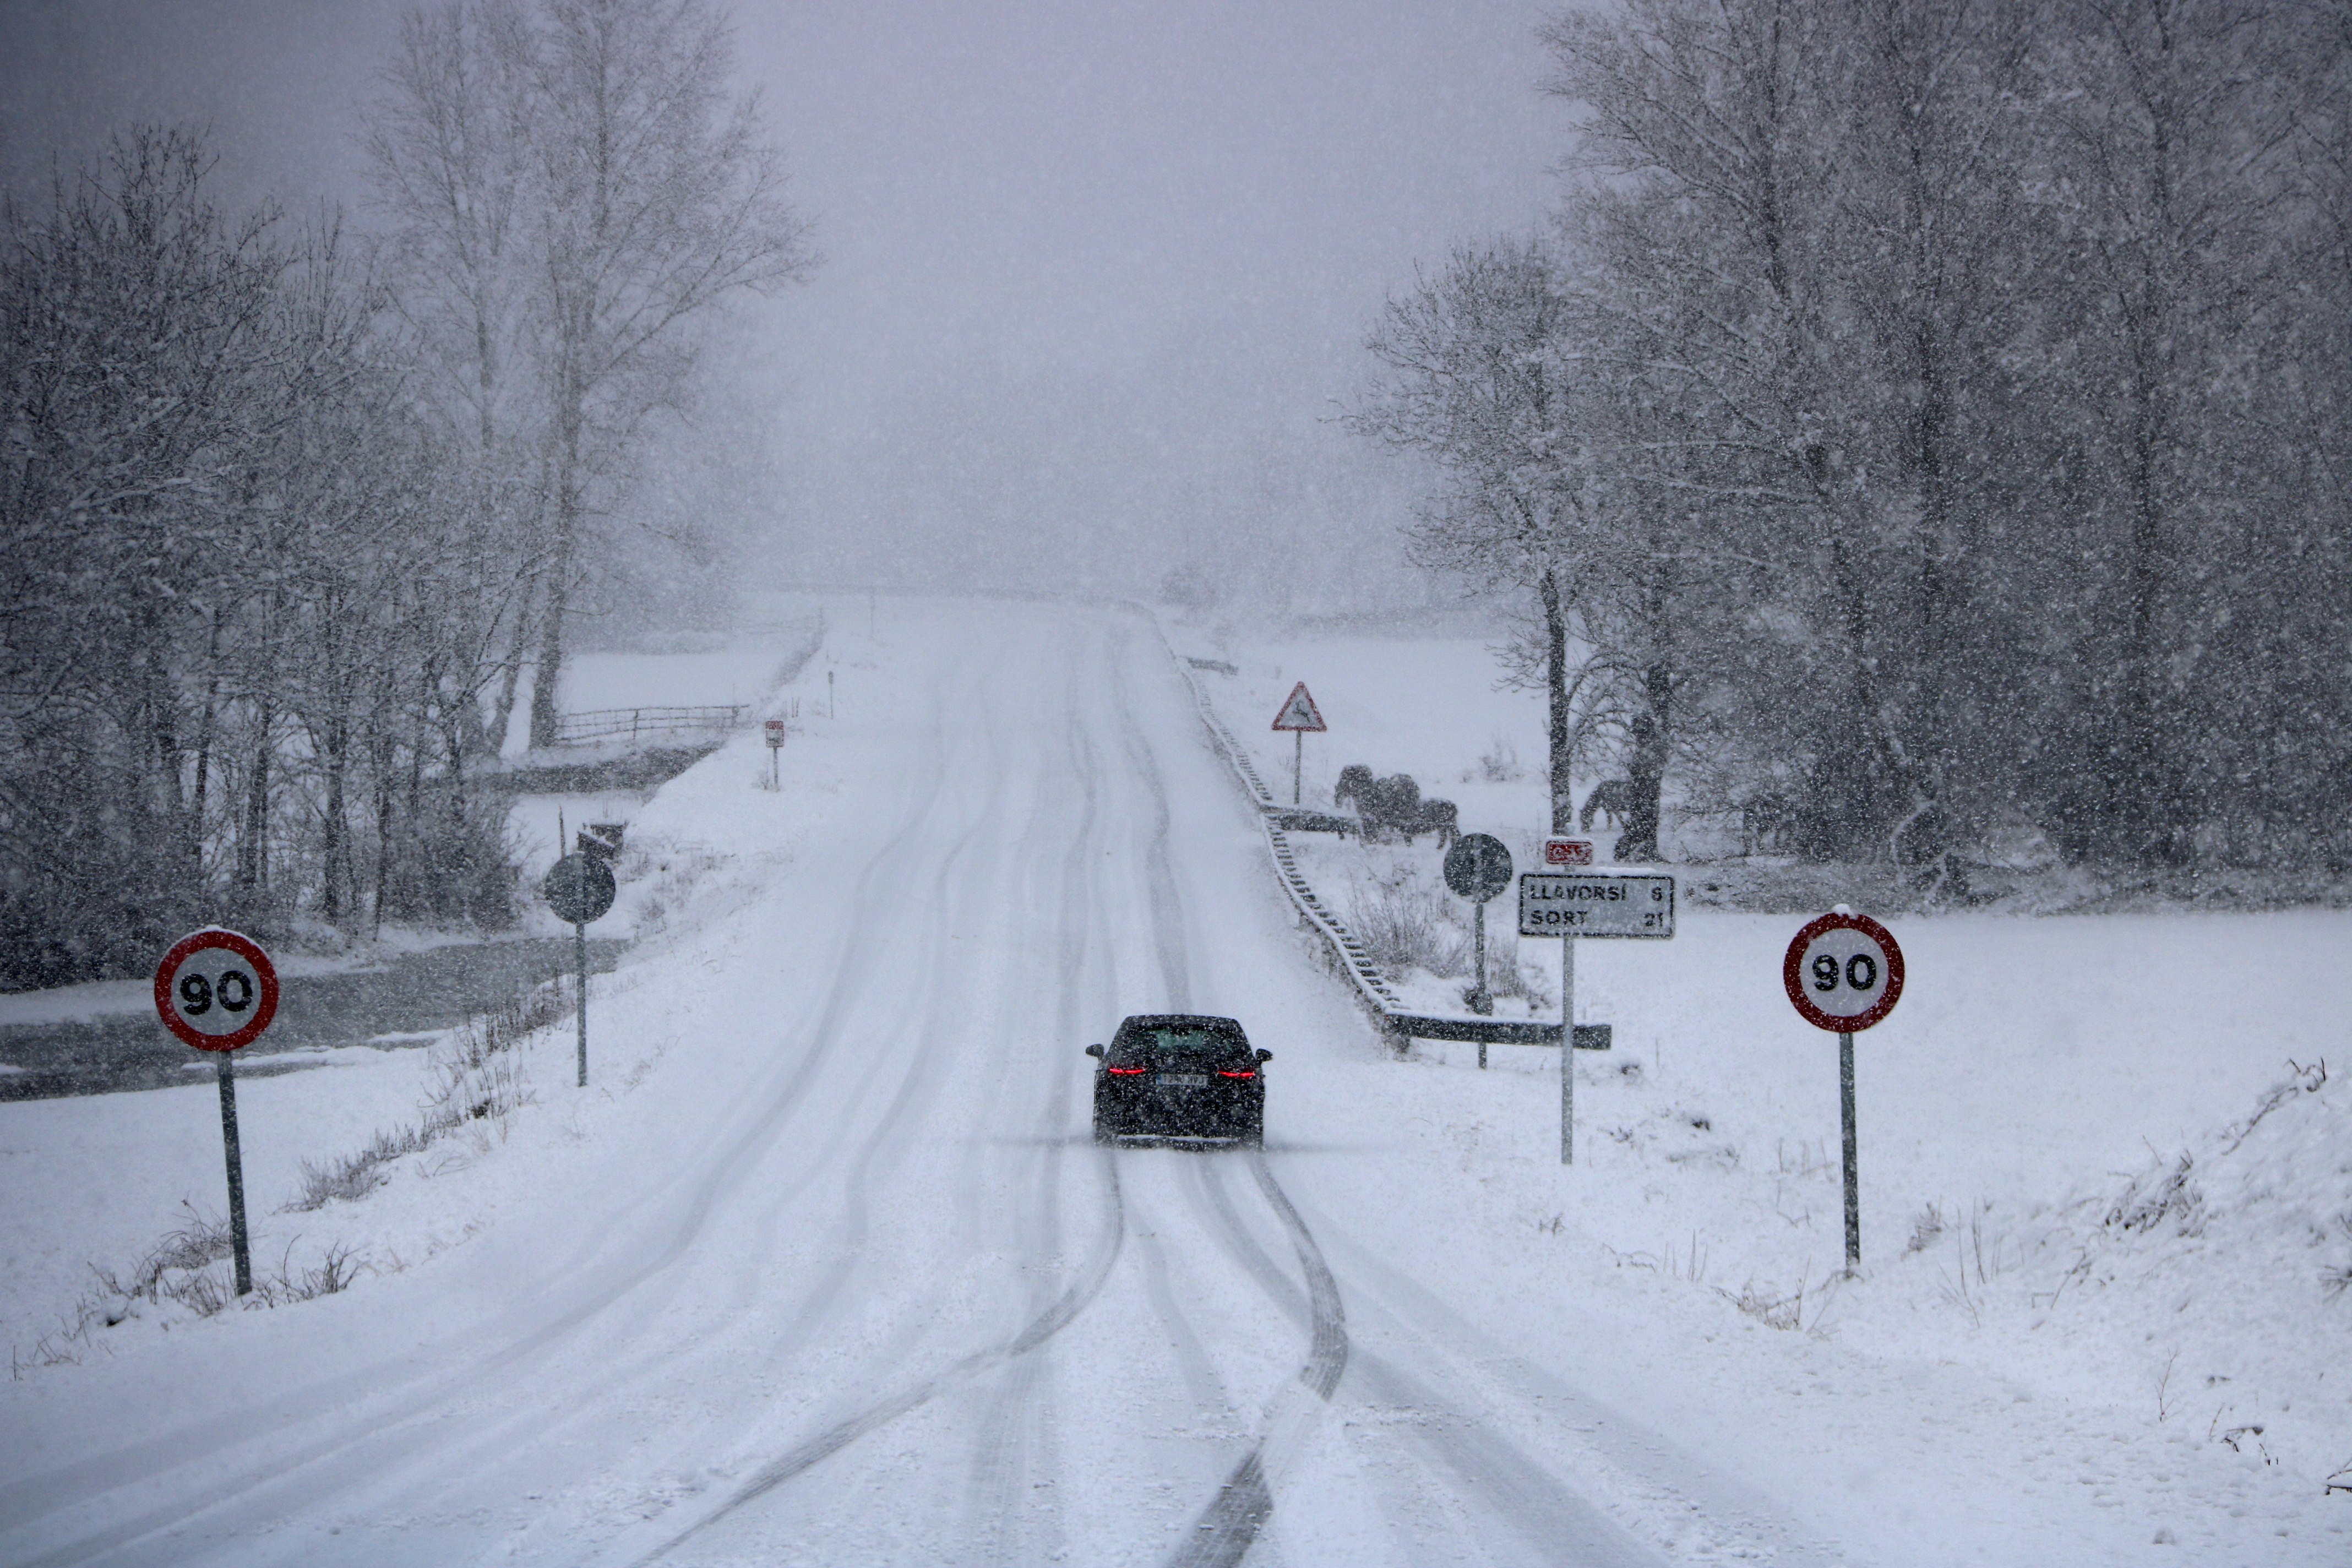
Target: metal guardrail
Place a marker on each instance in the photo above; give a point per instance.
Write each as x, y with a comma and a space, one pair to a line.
1372, 986
636, 723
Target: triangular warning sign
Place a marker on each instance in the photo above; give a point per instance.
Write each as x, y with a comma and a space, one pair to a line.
1300, 713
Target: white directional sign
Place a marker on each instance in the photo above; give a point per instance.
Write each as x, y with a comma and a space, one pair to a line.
1596, 903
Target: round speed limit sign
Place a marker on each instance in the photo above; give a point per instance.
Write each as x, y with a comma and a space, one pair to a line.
216, 990
1845, 973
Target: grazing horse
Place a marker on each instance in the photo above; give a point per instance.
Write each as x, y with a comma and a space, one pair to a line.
1388, 803
1393, 804
1438, 816
1611, 798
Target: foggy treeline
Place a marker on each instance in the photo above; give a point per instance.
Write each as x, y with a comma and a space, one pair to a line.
1935, 419
288, 507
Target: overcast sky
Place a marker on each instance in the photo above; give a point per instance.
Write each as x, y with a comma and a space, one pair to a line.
1096, 273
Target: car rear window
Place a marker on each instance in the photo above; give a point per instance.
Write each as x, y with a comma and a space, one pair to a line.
1204, 1043
1216, 1041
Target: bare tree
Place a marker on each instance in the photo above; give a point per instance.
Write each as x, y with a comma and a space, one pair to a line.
574, 187
1474, 387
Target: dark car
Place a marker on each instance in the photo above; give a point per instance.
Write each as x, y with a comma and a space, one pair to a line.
1180, 1075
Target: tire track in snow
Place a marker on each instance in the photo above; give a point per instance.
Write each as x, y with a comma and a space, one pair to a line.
1551, 1518
71, 1485
1058, 1316
1019, 1424
1229, 1525
1512, 1486
917, 1083
920, 1071
1078, 869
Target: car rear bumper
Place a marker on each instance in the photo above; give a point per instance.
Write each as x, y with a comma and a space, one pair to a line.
1150, 1112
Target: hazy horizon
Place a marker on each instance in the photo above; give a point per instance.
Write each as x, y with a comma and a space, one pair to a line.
1095, 278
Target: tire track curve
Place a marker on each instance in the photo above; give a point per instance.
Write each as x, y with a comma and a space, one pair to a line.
1229, 1525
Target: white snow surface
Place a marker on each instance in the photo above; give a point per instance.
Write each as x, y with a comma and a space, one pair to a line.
823, 1266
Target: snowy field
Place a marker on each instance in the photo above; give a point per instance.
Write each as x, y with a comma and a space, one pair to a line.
822, 1267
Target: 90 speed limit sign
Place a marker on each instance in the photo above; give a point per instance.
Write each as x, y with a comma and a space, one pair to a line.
216, 990
1843, 973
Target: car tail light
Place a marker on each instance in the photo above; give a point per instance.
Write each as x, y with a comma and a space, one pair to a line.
1126, 1072
1237, 1072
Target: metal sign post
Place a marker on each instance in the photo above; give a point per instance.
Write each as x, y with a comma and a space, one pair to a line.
217, 991
1478, 868
1571, 904
776, 732
580, 889
1843, 973
1299, 717
1567, 1050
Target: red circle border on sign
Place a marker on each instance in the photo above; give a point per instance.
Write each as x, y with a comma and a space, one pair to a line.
1793, 979
244, 947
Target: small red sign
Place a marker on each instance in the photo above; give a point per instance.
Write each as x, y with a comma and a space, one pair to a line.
776, 732
1299, 712
1568, 851
216, 990
1843, 973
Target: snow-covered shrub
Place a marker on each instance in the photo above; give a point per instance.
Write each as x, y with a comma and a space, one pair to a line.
476, 1076
2156, 1197
1402, 925
353, 1177
1499, 763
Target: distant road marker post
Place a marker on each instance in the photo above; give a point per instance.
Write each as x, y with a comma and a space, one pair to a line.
1299, 717
775, 731
1571, 904
1843, 973
580, 889
217, 991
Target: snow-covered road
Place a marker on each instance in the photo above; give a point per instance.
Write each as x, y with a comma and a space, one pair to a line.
826, 1268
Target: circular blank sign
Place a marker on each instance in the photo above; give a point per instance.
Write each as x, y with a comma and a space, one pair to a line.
216, 990
1843, 973
1477, 866
578, 889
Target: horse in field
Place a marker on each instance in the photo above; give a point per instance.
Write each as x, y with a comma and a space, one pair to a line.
1611, 799
1393, 804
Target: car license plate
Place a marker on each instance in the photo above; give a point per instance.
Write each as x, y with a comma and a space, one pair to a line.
1186, 1080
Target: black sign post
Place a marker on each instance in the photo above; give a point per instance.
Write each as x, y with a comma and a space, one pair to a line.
217, 991
1843, 973
580, 889
1478, 868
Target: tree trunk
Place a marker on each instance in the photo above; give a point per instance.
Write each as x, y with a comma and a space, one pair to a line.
334, 852
204, 739
511, 675
1560, 736
1647, 772
383, 754
457, 867
253, 849
544, 714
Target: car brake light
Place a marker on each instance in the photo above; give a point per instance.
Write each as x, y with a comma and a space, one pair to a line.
1127, 1072
1228, 1072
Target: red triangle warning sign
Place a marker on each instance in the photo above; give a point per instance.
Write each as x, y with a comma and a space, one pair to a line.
1300, 713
